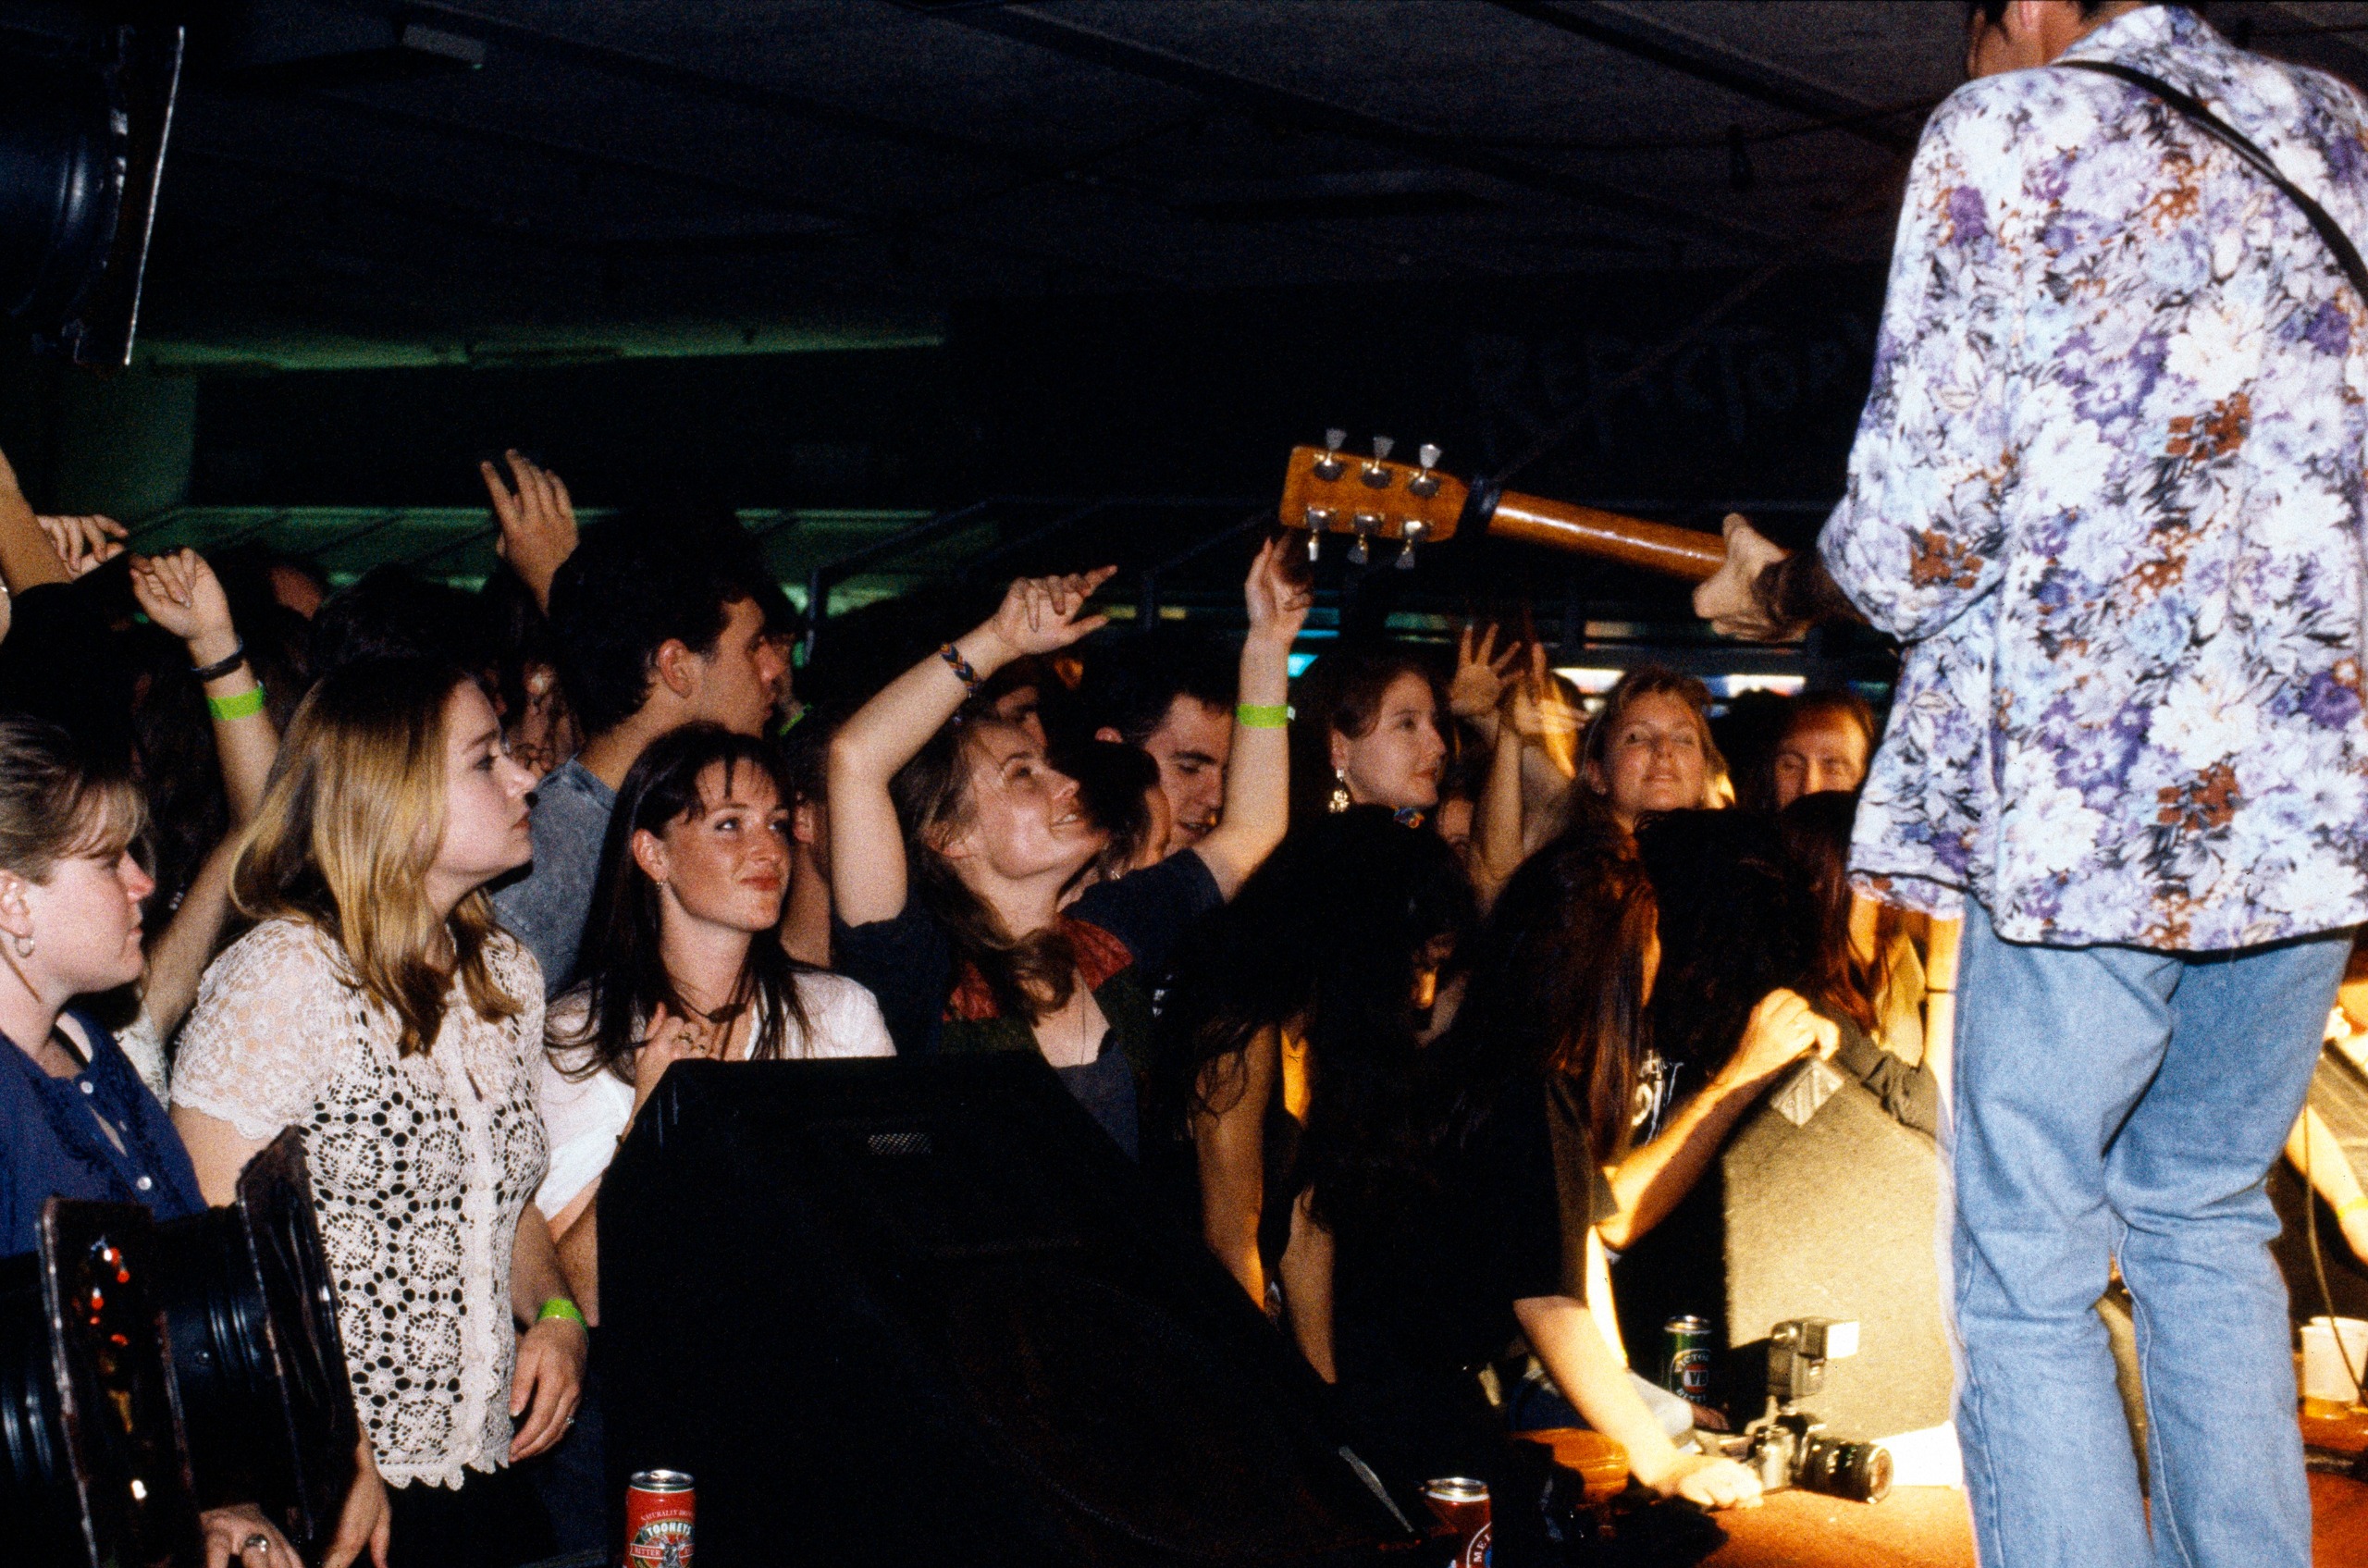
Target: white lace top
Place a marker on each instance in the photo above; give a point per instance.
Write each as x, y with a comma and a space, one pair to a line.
421, 1167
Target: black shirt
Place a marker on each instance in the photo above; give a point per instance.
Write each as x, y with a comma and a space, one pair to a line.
1424, 1297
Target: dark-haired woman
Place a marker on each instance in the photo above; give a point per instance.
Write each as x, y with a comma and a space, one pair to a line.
1462, 1206
955, 846
681, 963
1307, 997
1368, 734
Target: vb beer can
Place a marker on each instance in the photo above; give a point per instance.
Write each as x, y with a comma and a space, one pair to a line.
1685, 1359
1462, 1504
660, 1508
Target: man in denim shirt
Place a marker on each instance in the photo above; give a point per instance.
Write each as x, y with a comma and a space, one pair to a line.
2109, 491
655, 626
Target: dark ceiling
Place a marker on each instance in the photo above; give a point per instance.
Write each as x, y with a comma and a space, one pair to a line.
356, 183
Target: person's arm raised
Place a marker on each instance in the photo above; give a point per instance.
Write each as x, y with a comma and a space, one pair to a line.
1258, 775
28, 558
1649, 1182
1037, 615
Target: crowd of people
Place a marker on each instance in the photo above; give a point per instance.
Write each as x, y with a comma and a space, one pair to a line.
1421, 992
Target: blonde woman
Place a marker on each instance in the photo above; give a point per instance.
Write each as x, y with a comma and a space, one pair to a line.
377, 1008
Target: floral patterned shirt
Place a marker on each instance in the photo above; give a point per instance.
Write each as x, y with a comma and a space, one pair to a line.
2109, 490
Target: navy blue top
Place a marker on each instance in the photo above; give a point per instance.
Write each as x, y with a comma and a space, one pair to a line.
51, 1145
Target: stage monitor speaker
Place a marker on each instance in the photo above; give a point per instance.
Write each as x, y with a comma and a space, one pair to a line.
1831, 1211
257, 1360
924, 1312
93, 1467
82, 133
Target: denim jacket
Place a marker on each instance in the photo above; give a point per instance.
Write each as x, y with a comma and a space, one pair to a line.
2109, 490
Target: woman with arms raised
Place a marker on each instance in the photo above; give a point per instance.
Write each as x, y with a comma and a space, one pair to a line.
378, 1009
694, 873
953, 845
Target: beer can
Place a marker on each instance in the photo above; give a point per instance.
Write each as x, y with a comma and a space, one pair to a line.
1462, 1504
1685, 1359
661, 1507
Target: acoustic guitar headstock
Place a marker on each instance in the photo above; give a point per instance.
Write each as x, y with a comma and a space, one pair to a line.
1326, 490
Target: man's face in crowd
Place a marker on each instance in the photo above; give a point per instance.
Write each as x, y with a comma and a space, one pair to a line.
1191, 746
1826, 752
741, 679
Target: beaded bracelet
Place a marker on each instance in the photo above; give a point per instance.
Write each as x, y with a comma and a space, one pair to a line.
961, 667
246, 704
1262, 715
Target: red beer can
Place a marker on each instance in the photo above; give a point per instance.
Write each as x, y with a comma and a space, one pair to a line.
1462, 1504
661, 1507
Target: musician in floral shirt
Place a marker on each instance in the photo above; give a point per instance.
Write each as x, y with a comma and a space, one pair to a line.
2109, 491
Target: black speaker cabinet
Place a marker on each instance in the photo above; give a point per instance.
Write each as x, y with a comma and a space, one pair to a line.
93, 1467
257, 1360
1831, 1211
907, 1312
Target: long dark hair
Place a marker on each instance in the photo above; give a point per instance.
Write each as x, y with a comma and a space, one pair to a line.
1730, 929
1558, 987
621, 952
1329, 934
1816, 831
1029, 977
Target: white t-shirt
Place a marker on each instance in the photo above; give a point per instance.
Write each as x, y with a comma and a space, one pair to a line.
586, 1115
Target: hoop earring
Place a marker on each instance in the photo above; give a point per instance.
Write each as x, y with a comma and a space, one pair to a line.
1339, 802
24, 946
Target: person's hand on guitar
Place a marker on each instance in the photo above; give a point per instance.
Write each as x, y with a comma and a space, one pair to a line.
1730, 601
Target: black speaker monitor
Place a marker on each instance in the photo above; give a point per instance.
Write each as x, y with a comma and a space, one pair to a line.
92, 1467
1832, 1212
83, 130
257, 1360
910, 1312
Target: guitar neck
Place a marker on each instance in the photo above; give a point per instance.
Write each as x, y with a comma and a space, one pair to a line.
1610, 536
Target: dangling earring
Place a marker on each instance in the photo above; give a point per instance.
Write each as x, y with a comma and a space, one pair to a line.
1339, 802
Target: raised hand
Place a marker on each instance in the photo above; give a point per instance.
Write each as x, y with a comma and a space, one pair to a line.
537, 520
1041, 614
1729, 600
665, 1040
1278, 602
1481, 671
1782, 1029
84, 543
178, 591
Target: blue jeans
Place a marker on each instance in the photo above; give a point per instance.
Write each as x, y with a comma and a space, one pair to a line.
2113, 1103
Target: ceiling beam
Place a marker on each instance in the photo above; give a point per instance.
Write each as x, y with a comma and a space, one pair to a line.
1673, 48
1127, 56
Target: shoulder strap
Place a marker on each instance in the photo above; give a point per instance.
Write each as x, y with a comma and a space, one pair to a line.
2339, 244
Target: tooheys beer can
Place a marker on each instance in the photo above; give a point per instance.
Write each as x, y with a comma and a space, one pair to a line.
1686, 1361
1462, 1504
661, 1507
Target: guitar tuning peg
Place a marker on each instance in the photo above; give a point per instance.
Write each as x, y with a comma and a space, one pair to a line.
1364, 524
1425, 484
1314, 546
1381, 445
1329, 467
1406, 555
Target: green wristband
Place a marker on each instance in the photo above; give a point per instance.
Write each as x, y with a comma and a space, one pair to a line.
559, 1306
1262, 715
246, 704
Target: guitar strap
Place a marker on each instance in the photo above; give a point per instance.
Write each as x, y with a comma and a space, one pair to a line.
2338, 243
